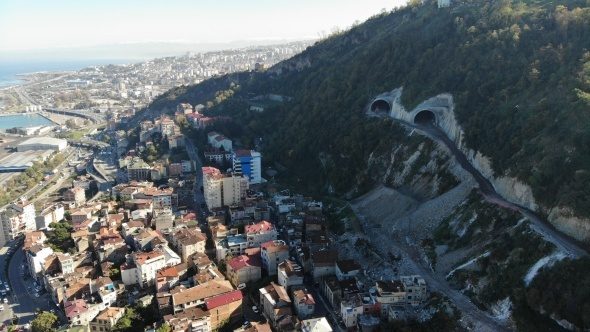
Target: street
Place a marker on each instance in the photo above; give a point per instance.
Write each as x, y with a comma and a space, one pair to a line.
24, 304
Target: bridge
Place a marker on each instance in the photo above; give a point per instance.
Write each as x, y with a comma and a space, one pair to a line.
89, 143
77, 113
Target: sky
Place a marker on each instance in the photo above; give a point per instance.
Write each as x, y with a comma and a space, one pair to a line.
32, 25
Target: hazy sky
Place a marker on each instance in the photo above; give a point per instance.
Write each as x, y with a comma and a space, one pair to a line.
42, 24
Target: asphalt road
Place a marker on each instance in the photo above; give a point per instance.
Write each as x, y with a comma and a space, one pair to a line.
25, 303
542, 226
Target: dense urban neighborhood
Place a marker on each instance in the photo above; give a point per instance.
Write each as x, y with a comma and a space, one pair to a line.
426, 170
200, 240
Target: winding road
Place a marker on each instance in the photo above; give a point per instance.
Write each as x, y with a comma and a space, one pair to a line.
479, 318
540, 225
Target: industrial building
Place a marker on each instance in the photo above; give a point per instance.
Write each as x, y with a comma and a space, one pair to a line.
42, 143
20, 161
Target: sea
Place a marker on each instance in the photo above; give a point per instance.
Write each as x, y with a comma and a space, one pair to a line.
23, 120
10, 69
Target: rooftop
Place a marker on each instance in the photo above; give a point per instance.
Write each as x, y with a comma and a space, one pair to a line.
209, 289
223, 299
260, 227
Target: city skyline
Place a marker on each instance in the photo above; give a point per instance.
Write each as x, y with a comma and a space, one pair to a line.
65, 24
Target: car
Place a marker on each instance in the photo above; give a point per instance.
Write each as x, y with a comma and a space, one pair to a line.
1, 307
255, 309
5, 300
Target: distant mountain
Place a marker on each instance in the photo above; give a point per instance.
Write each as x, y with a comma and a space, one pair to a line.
519, 73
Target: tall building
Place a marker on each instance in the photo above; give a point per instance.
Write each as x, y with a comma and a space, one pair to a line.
16, 219
223, 189
249, 164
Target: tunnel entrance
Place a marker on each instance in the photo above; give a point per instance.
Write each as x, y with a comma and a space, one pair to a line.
380, 105
425, 117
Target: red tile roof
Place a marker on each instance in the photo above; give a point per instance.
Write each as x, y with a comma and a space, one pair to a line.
242, 261
262, 226
223, 299
74, 308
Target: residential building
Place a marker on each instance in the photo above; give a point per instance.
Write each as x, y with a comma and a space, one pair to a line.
303, 302
51, 214
18, 218
249, 164
33, 238
232, 245
352, 307
104, 288
260, 232
225, 307
192, 319
185, 298
272, 253
222, 189
323, 263
76, 195
184, 108
36, 256
219, 141
141, 268
388, 293
289, 274
188, 242
78, 312
106, 320
320, 324
347, 269
275, 302
416, 290
138, 170
242, 269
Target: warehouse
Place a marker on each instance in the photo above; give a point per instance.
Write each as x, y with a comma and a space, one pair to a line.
42, 143
20, 161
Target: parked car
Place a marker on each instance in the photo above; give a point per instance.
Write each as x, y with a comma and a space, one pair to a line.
5, 300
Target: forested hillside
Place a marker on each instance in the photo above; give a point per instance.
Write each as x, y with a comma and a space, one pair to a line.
519, 72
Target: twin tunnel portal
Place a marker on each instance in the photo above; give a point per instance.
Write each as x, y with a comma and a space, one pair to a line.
422, 117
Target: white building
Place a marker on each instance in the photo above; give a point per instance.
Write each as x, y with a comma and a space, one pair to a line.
53, 213
36, 257
42, 143
219, 141
289, 274
320, 324
142, 268
18, 218
231, 245
272, 253
223, 190
259, 233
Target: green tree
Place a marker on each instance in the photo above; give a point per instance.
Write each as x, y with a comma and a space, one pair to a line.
164, 328
44, 322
